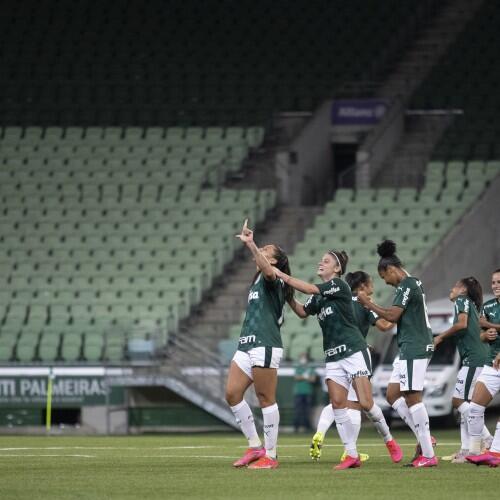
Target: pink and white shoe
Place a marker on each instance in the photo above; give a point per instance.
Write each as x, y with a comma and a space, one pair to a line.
265, 462
425, 462
489, 458
395, 451
251, 455
418, 450
348, 463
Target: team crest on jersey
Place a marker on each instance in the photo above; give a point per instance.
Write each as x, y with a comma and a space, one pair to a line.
253, 296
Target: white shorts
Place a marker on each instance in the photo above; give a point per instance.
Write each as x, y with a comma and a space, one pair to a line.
262, 357
491, 379
412, 374
345, 370
395, 371
466, 381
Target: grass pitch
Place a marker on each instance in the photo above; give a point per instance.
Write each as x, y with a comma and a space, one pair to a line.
199, 466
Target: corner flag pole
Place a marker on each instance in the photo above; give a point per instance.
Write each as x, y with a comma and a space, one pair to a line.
48, 413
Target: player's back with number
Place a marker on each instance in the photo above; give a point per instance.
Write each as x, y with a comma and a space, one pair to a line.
414, 334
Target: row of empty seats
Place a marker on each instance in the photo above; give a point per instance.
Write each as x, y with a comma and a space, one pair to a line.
98, 263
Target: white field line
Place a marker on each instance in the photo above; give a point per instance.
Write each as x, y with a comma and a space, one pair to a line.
134, 448
23, 455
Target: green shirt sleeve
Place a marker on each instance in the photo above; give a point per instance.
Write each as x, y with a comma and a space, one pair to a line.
462, 305
402, 296
311, 306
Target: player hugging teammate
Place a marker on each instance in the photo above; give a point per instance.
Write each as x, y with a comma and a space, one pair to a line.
344, 312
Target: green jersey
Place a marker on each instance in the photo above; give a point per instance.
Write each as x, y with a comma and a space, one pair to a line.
414, 333
363, 316
472, 351
333, 307
491, 311
264, 315
303, 387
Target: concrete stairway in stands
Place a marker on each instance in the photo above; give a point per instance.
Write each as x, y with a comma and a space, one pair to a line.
427, 49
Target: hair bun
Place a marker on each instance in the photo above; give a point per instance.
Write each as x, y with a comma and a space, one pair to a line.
386, 249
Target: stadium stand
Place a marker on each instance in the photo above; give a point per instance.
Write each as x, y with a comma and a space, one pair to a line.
466, 78
164, 63
99, 229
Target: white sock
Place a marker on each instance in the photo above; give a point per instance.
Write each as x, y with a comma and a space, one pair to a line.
463, 409
475, 422
495, 446
326, 419
355, 417
404, 412
485, 433
346, 431
271, 415
377, 417
244, 418
420, 418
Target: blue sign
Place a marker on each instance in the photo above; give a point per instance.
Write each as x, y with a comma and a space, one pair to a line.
358, 111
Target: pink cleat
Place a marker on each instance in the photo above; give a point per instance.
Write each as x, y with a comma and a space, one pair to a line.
489, 458
425, 462
251, 455
348, 463
265, 462
418, 450
395, 451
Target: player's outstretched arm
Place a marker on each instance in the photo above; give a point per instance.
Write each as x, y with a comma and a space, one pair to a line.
391, 314
301, 286
461, 324
297, 308
246, 236
383, 325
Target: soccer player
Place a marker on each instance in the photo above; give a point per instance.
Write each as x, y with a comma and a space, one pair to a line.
259, 353
468, 298
488, 383
347, 356
415, 343
358, 280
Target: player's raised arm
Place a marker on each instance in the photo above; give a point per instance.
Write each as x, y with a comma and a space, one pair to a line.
246, 236
461, 324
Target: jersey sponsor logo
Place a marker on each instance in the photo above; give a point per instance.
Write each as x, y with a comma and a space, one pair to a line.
249, 339
253, 296
336, 350
429, 348
406, 296
325, 311
309, 300
332, 290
